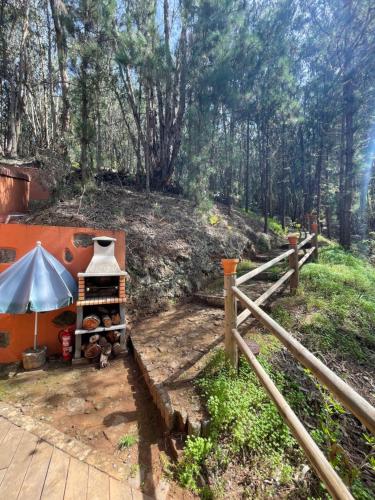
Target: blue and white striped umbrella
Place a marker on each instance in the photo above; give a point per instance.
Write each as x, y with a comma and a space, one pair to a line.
37, 282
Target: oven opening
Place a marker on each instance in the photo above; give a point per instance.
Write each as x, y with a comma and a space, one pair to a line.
101, 286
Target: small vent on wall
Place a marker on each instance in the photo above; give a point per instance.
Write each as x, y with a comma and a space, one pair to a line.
68, 256
4, 339
83, 240
7, 255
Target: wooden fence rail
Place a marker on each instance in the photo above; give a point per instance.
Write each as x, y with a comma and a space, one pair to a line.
318, 460
233, 340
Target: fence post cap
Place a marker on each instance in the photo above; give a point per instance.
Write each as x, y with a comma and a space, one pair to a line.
293, 239
314, 227
229, 265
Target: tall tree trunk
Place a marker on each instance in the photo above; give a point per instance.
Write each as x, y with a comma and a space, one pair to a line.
266, 178
12, 143
328, 221
283, 182
84, 121
348, 92
303, 182
51, 78
340, 211
99, 146
148, 139
230, 164
348, 111
247, 170
18, 90
57, 9
318, 175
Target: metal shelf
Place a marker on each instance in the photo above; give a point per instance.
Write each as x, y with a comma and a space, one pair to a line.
101, 329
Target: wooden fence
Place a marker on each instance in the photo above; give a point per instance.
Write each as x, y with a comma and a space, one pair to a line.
349, 398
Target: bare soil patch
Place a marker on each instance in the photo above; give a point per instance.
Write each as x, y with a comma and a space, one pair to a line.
98, 407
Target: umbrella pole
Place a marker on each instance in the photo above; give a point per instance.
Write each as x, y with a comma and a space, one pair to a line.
35, 330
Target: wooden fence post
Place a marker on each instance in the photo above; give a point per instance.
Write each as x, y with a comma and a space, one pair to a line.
293, 263
230, 309
314, 229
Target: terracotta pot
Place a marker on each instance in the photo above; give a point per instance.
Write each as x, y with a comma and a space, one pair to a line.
229, 265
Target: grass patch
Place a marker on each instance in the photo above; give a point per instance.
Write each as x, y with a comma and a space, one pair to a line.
246, 431
335, 311
338, 294
127, 441
244, 266
243, 421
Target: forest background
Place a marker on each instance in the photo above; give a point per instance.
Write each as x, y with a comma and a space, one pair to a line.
263, 104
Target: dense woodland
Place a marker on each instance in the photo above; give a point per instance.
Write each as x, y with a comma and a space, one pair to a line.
267, 105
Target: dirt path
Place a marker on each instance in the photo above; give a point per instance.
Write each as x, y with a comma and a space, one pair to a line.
174, 347
98, 408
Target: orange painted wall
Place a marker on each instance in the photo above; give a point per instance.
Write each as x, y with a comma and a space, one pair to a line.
57, 240
14, 191
37, 190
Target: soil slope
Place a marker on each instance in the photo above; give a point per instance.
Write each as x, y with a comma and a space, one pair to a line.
173, 247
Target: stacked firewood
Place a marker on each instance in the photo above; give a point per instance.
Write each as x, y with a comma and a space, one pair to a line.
102, 318
101, 347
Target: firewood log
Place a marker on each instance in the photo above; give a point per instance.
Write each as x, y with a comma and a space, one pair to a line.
116, 349
92, 351
113, 336
106, 320
115, 317
103, 341
91, 322
107, 349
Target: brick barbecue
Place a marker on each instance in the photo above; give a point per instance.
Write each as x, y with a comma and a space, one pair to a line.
101, 292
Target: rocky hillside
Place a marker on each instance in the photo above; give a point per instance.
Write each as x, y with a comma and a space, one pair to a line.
173, 247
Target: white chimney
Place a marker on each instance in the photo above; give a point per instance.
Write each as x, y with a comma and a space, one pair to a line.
103, 262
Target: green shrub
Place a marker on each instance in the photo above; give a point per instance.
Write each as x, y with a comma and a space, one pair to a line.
195, 451
205, 205
276, 227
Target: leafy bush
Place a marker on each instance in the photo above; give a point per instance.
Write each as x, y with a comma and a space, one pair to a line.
263, 242
195, 451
